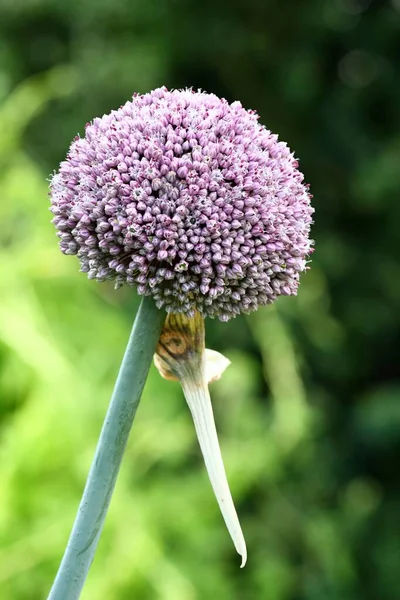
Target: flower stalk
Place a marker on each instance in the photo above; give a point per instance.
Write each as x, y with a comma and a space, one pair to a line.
101, 480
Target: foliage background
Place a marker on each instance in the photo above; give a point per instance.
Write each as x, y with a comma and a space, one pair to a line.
309, 413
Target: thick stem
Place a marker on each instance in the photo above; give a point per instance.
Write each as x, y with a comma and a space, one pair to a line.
103, 473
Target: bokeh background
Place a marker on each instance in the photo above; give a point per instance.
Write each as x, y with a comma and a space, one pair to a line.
309, 411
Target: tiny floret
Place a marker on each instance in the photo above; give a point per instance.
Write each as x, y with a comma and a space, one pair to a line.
189, 199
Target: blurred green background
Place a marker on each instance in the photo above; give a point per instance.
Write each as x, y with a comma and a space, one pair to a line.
309, 411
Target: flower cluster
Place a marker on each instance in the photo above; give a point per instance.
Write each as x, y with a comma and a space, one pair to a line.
188, 198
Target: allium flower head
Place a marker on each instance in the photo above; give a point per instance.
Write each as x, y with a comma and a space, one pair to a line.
188, 198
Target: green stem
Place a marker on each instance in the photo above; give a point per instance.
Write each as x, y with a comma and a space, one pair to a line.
103, 473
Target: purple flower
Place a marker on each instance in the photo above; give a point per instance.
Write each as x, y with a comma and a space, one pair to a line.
189, 199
